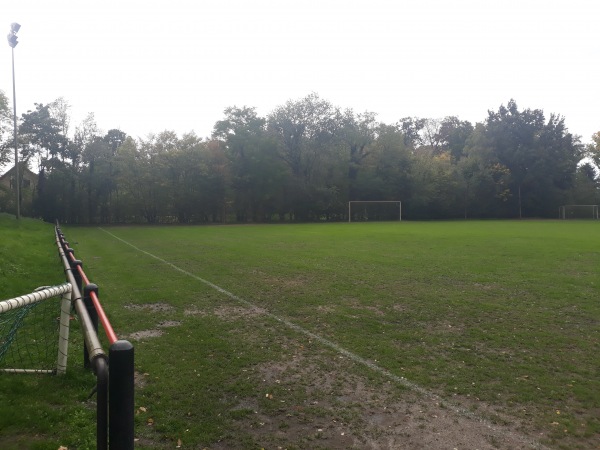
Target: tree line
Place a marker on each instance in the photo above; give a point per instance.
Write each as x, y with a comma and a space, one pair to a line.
303, 162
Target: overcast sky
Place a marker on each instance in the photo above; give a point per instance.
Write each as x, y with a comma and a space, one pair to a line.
148, 66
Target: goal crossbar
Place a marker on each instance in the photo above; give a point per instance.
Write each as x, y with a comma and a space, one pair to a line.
41, 294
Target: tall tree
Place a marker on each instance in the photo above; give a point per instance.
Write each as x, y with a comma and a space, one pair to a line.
389, 165
6, 137
593, 149
542, 156
304, 127
484, 181
453, 134
256, 171
59, 111
358, 132
306, 131
431, 137
586, 190
411, 128
42, 138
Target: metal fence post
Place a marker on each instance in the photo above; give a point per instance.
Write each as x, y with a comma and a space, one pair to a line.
76, 274
121, 396
91, 310
102, 371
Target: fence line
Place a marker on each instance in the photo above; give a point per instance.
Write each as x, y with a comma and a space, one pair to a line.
115, 371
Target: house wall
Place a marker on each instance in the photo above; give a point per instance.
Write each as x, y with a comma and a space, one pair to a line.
7, 191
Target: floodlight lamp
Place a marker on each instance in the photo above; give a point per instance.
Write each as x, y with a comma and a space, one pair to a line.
15, 27
12, 40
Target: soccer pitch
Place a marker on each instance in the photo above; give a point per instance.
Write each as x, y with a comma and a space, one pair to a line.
364, 334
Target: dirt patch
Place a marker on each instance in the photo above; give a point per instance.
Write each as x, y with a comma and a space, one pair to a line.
195, 311
320, 401
401, 307
355, 304
238, 312
292, 282
139, 379
169, 323
152, 307
317, 398
326, 308
144, 334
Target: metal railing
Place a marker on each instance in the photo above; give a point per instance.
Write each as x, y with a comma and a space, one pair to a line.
115, 371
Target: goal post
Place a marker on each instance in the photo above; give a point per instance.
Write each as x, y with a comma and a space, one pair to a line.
578, 212
34, 331
393, 207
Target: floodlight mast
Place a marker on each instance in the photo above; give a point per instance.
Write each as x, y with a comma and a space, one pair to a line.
12, 42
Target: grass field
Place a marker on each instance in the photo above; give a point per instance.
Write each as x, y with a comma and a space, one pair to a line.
367, 335
41, 412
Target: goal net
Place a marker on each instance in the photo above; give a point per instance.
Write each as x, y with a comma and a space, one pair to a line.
578, 212
34, 331
374, 210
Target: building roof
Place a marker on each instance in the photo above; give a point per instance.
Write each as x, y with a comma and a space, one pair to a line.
30, 174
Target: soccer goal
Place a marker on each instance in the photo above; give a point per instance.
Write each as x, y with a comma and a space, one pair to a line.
578, 212
374, 210
34, 331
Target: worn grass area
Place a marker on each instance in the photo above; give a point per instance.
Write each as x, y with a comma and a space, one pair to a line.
41, 411
501, 319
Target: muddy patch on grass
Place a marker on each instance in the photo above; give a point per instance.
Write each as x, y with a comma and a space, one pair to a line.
152, 307
169, 324
400, 307
145, 334
326, 308
195, 311
355, 303
314, 397
139, 379
322, 401
238, 312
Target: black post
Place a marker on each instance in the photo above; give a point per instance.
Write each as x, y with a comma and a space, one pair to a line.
77, 277
76, 274
91, 310
120, 396
102, 377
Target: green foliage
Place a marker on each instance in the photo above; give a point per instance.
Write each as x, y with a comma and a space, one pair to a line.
303, 162
6, 138
542, 156
255, 170
593, 150
586, 189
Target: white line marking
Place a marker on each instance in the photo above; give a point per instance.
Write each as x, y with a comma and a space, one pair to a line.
354, 357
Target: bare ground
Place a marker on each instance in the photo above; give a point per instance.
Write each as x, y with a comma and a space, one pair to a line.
337, 409
314, 398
